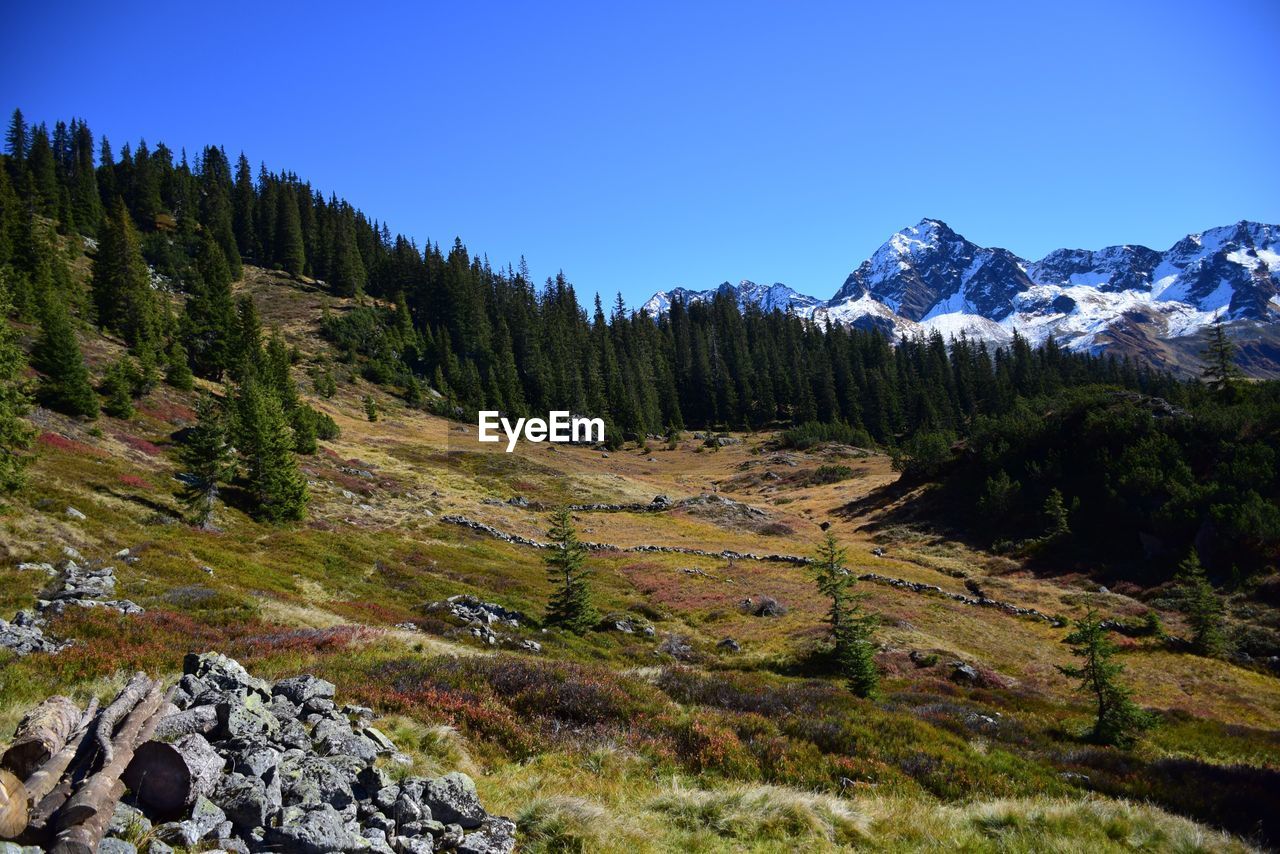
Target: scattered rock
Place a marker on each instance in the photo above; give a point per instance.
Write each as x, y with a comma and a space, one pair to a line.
763, 606
73, 513
729, 645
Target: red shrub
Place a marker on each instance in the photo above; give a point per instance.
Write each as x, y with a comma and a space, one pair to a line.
135, 482
139, 444
59, 442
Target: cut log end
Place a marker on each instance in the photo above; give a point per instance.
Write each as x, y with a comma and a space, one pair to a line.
169, 777
14, 807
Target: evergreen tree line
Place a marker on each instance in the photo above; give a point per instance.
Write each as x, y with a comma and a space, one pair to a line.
488, 338
187, 239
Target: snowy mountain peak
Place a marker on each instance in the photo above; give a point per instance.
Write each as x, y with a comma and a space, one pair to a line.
746, 293
927, 278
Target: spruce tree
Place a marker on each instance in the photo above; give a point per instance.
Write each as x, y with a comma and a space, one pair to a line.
209, 316
117, 389
1118, 720
370, 408
206, 462
1198, 600
65, 385
121, 283
852, 631
177, 370
266, 444
15, 433
291, 252
1220, 372
1057, 515
570, 605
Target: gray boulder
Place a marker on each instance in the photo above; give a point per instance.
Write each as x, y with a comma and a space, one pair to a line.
452, 799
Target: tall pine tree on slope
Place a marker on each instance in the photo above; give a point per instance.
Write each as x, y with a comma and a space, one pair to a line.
121, 284
15, 433
65, 385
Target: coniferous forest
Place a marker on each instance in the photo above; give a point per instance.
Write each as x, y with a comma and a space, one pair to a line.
446, 329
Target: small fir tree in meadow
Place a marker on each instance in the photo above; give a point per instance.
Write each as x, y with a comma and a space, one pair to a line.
1201, 604
370, 408
851, 630
65, 386
570, 605
207, 461
1118, 720
324, 383
275, 482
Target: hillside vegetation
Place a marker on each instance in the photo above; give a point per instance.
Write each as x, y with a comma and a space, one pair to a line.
708, 707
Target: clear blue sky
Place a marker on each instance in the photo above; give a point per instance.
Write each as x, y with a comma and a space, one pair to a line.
646, 145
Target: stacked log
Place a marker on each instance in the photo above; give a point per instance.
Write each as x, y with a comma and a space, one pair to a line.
60, 778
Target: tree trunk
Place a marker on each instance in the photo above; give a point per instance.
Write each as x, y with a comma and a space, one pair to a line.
46, 777
42, 733
124, 703
85, 837
14, 807
169, 777
197, 719
95, 795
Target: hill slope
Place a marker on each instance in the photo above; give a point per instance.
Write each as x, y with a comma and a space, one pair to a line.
655, 732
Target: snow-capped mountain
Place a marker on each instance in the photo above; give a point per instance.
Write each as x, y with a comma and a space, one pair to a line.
768, 297
1131, 298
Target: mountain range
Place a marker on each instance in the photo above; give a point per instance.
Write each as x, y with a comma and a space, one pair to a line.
1124, 299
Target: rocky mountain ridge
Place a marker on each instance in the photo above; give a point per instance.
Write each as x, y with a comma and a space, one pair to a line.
1125, 299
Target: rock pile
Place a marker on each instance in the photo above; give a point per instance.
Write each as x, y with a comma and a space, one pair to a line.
239, 764
71, 586
627, 625
481, 618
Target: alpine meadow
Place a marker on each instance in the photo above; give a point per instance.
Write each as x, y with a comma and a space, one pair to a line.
320, 537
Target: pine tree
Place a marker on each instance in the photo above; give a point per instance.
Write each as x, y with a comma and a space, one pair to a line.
266, 444
1220, 372
65, 385
207, 462
117, 388
370, 408
833, 580
209, 316
1118, 720
15, 434
852, 631
1199, 601
177, 370
290, 249
121, 283
1055, 511
570, 605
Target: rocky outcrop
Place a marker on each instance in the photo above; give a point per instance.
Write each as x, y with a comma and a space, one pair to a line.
282, 767
482, 618
72, 585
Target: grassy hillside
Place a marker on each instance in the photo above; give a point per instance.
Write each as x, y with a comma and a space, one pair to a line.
622, 741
